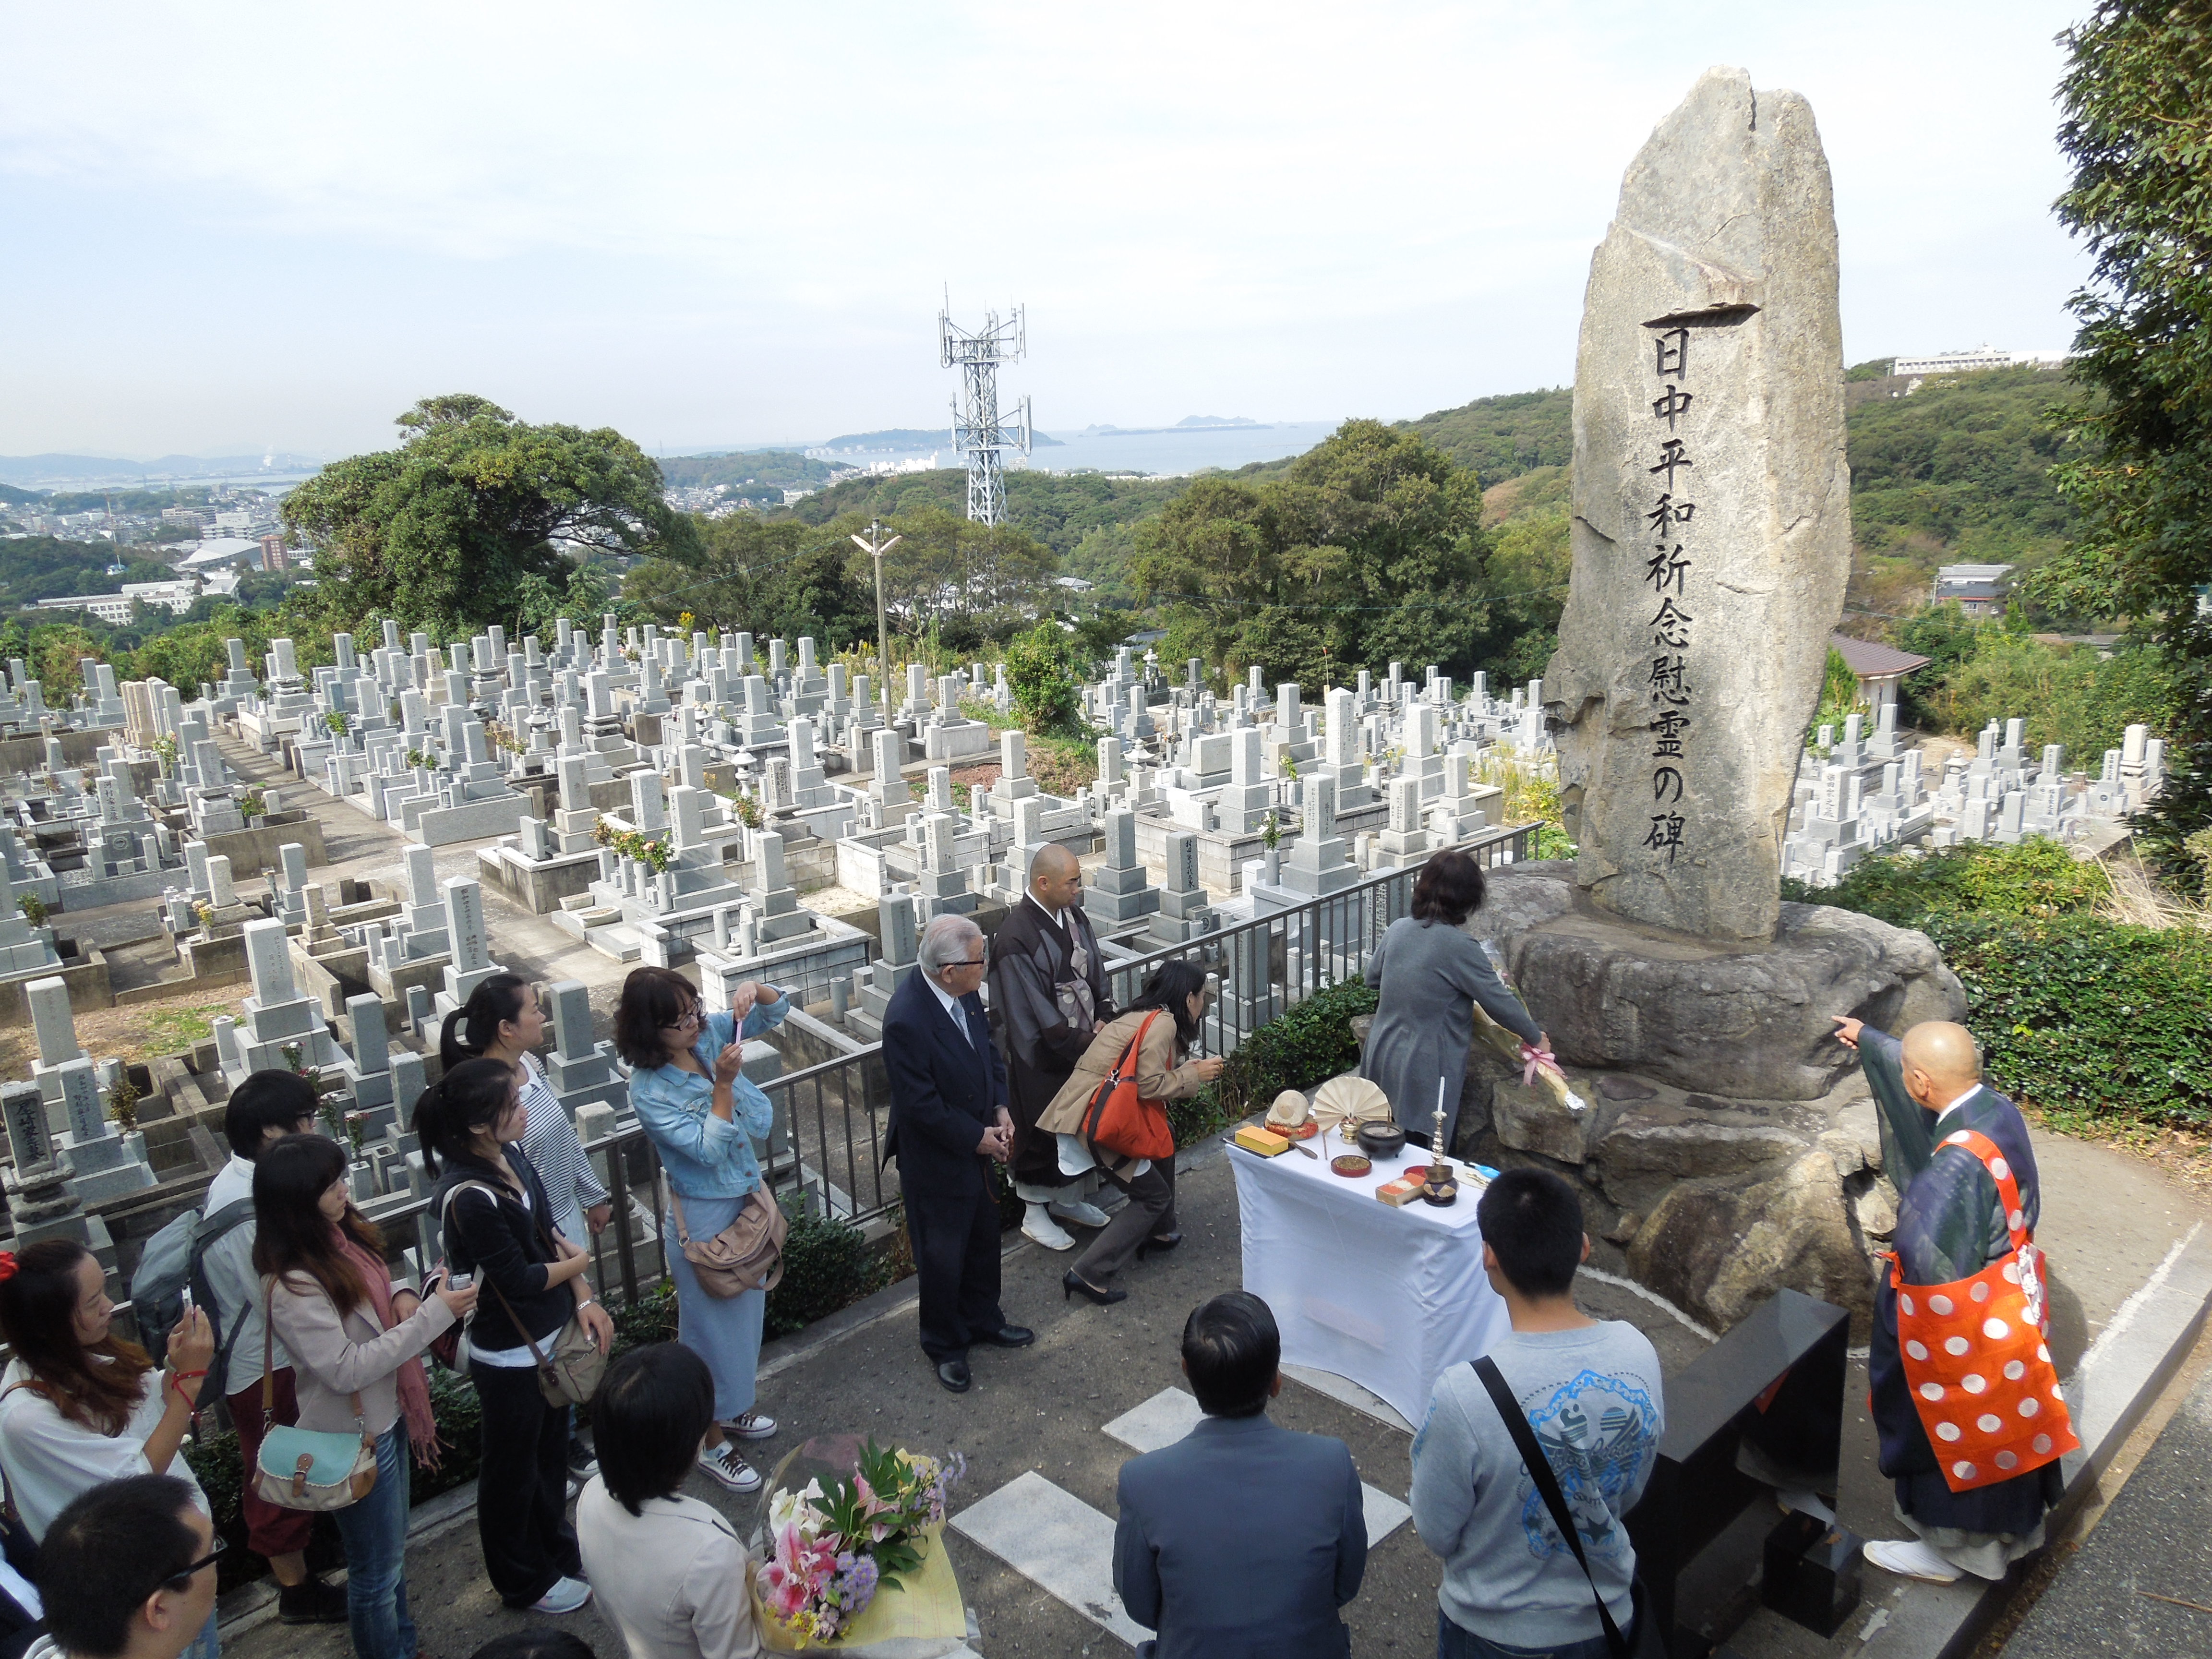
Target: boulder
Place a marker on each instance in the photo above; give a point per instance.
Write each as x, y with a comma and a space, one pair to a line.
1646, 1154
1742, 1022
1533, 1120
1717, 1249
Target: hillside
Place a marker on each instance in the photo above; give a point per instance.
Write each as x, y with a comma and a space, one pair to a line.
1502, 437
761, 474
1074, 514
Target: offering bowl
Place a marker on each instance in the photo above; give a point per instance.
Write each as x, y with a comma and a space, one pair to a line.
1381, 1140
1351, 1165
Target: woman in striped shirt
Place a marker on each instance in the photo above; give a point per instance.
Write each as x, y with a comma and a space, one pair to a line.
503, 1020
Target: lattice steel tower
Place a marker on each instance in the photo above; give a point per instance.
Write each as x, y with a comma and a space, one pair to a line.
976, 432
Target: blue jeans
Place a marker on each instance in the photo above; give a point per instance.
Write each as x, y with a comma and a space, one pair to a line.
1456, 1643
376, 1534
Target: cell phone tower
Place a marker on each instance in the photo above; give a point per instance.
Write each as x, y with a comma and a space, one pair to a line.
977, 431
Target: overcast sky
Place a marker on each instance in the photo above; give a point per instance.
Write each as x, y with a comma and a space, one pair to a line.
233, 226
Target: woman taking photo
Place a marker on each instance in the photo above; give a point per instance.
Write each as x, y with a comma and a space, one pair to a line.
81, 1405
703, 1115
1431, 974
352, 1333
1174, 1000
496, 1220
669, 1569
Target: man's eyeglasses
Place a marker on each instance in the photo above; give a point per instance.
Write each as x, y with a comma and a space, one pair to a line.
215, 1554
977, 963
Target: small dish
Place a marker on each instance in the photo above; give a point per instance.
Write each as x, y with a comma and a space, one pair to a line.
1351, 1165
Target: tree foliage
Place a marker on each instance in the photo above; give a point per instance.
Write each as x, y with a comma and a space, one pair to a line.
2137, 97
1368, 550
1044, 676
441, 533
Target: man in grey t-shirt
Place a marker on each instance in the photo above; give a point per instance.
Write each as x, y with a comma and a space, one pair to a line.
1591, 1390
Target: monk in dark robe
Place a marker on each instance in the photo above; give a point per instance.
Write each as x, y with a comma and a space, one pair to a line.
1951, 1225
1047, 999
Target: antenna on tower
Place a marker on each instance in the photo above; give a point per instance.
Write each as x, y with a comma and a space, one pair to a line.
976, 430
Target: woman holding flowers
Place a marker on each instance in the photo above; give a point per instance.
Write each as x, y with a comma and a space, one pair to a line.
669, 1569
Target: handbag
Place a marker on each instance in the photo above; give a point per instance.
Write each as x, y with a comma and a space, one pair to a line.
301, 1468
747, 1255
1118, 1120
1644, 1640
568, 1375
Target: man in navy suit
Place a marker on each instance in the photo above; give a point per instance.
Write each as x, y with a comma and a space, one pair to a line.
948, 1123
1242, 1540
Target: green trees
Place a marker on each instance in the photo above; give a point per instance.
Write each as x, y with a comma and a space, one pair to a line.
1042, 670
442, 532
2137, 96
1369, 548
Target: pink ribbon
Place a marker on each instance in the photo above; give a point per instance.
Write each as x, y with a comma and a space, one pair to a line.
1538, 1060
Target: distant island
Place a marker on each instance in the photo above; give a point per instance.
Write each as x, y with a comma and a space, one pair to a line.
897, 440
1188, 423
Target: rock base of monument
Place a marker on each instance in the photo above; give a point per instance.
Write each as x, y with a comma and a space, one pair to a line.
1729, 1145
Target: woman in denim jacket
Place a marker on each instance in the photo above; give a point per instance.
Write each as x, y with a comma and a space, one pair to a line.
703, 1116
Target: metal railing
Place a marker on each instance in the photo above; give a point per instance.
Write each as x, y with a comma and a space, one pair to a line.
827, 1141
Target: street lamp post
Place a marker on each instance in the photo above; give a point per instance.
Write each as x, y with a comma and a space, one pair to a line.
875, 543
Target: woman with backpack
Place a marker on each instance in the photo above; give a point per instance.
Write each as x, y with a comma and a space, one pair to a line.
498, 1227
356, 1339
80, 1405
1168, 1014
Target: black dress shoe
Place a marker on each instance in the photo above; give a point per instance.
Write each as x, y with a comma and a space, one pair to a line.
953, 1373
1073, 1284
1011, 1336
1158, 1246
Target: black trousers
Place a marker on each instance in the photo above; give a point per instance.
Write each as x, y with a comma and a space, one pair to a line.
955, 1257
522, 1489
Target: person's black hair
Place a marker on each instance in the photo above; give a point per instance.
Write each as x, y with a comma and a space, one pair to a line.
1168, 987
291, 1234
267, 1100
536, 1641
1449, 888
651, 997
474, 1026
112, 1547
1232, 1351
471, 1096
1534, 1221
651, 1411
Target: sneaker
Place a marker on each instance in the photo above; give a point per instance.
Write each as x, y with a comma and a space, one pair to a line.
311, 1601
565, 1597
753, 1426
1081, 1213
1911, 1558
581, 1464
1039, 1228
731, 1470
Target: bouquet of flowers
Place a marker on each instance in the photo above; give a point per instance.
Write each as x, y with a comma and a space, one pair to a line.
837, 1540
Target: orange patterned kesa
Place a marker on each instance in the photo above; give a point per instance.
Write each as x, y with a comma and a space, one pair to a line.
1976, 1357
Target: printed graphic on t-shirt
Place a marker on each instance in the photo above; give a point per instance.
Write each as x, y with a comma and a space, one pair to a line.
1596, 1430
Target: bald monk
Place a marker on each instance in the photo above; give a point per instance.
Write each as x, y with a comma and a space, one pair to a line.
1047, 999
1950, 1225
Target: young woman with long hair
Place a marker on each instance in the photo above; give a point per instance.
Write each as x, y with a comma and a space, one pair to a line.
702, 1115
1174, 998
352, 1332
497, 1224
80, 1405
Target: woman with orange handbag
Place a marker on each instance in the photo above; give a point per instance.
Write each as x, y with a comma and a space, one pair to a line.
1143, 1046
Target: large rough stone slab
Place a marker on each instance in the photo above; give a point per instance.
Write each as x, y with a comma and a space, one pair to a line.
1645, 1156
1744, 1022
1711, 527
1717, 1250
1533, 1120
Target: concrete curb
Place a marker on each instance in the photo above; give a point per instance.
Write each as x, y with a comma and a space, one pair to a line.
2124, 1371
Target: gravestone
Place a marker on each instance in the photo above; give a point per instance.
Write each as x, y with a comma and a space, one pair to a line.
1711, 526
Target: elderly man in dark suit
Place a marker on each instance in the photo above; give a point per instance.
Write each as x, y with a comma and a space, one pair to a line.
1242, 1540
949, 1122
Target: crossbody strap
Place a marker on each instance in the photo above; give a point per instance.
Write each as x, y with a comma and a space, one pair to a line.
1547, 1487
523, 1330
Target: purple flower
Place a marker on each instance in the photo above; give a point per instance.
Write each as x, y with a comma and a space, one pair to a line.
858, 1581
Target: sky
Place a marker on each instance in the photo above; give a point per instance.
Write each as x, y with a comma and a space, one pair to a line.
233, 226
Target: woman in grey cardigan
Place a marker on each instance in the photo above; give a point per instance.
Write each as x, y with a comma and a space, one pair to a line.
1431, 971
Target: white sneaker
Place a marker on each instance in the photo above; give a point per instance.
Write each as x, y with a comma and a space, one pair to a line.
731, 1470
1039, 1228
565, 1597
1909, 1557
753, 1426
1076, 1210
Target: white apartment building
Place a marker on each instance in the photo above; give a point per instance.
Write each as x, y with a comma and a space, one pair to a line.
116, 607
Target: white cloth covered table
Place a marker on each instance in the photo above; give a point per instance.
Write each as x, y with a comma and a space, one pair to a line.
1388, 1296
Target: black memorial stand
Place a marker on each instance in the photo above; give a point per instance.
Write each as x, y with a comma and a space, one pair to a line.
1763, 1407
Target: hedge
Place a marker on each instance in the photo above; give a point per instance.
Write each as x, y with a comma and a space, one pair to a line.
2077, 1015
1307, 1045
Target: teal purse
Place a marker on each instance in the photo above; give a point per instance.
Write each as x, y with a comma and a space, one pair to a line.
304, 1468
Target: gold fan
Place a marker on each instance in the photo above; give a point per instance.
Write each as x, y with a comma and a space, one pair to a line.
1343, 1103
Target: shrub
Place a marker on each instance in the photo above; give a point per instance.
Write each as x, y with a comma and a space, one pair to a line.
1308, 1045
2037, 878
1041, 671
827, 1265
